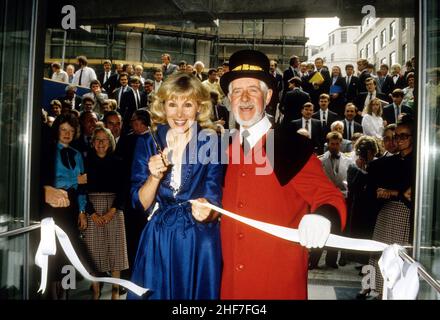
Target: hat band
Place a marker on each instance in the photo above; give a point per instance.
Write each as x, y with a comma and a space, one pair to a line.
247, 67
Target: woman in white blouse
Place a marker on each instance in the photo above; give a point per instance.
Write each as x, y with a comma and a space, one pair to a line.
372, 122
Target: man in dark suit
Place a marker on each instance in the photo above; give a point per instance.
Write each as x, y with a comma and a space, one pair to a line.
293, 101
71, 97
313, 127
394, 81
352, 83
322, 87
278, 89
290, 72
364, 98
325, 116
350, 125
123, 87
106, 74
362, 65
392, 112
167, 67
131, 101
113, 82
88, 121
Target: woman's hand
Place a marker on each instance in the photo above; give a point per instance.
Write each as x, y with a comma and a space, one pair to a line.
386, 193
82, 221
109, 215
98, 220
82, 178
407, 194
202, 213
158, 164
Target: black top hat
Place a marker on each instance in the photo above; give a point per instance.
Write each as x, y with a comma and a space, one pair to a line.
247, 64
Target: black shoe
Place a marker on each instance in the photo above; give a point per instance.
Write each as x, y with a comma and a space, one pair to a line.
342, 261
122, 291
333, 265
363, 294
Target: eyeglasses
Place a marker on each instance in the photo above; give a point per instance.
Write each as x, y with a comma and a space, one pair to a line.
402, 136
386, 139
101, 140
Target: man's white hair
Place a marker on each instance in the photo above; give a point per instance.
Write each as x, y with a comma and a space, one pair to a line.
335, 123
199, 63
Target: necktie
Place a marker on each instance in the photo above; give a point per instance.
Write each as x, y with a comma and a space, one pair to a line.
80, 77
137, 99
397, 113
307, 125
349, 130
324, 119
348, 81
246, 145
106, 77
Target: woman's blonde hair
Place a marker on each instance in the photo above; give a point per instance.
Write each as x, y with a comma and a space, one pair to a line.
369, 108
187, 85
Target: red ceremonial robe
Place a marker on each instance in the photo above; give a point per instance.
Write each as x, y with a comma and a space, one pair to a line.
257, 265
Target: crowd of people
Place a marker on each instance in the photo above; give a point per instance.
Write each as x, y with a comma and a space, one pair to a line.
107, 167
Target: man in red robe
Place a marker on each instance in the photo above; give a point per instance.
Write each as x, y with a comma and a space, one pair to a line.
296, 193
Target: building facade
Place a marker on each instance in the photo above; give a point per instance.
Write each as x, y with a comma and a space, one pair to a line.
340, 48
386, 40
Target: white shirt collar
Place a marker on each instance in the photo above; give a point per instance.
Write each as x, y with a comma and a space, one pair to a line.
257, 131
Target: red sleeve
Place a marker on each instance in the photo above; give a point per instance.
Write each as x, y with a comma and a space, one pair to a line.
317, 190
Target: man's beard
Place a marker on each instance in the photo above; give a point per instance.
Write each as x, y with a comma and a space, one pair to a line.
247, 123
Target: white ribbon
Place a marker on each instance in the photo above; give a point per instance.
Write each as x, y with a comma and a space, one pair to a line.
399, 277
47, 247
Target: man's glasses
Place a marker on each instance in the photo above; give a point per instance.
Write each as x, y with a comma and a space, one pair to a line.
402, 136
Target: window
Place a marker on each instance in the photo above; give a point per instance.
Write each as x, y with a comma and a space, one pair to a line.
329, 41
404, 53
392, 58
332, 57
361, 53
376, 45
393, 30
368, 50
383, 38
344, 36
383, 61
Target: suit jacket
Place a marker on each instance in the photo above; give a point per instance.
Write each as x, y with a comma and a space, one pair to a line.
362, 96
287, 75
112, 84
78, 101
316, 92
171, 68
352, 89
128, 106
292, 103
388, 112
221, 113
331, 117
338, 178
362, 77
115, 94
337, 105
389, 85
357, 128
101, 78
318, 145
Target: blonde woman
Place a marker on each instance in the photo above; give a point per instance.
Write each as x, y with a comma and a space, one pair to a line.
372, 122
179, 254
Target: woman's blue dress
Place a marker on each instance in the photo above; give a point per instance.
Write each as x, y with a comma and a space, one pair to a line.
179, 257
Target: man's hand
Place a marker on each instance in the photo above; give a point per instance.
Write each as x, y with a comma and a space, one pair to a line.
57, 198
314, 230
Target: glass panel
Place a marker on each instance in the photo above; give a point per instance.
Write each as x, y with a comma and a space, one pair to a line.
11, 267
15, 39
428, 175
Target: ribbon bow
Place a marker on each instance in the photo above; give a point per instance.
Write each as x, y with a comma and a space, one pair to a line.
47, 247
